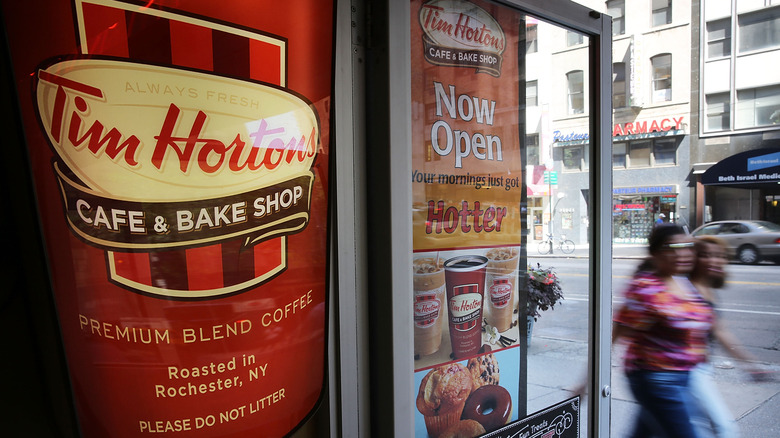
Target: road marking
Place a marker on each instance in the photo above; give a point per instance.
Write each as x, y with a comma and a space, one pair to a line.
755, 312
760, 283
584, 298
757, 283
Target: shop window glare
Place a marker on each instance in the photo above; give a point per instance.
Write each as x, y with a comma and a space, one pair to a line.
718, 112
662, 77
665, 152
532, 149
639, 154
759, 30
619, 85
531, 93
619, 156
662, 12
719, 38
586, 157
758, 107
617, 10
573, 38
572, 158
531, 42
576, 92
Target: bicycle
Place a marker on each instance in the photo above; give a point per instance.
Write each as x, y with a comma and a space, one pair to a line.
565, 245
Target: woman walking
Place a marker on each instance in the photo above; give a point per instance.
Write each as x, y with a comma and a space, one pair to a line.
665, 323
709, 274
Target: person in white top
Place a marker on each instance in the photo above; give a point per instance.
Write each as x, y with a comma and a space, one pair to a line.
708, 274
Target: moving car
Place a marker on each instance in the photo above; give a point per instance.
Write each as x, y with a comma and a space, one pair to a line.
747, 241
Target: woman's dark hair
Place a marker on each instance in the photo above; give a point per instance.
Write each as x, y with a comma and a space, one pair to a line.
661, 235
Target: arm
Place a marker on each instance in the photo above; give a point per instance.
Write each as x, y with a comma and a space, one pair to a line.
619, 331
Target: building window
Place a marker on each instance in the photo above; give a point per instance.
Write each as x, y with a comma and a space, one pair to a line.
531, 45
665, 152
662, 12
619, 156
617, 10
718, 110
573, 38
662, 77
719, 38
639, 153
759, 30
758, 107
618, 85
532, 149
645, 153
576, 92
531, 93
572, 158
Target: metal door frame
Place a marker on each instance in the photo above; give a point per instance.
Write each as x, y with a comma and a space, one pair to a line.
371, 360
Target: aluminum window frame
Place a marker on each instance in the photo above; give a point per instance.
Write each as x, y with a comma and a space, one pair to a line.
388, 131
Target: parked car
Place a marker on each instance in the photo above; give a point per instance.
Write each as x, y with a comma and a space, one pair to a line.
747, 241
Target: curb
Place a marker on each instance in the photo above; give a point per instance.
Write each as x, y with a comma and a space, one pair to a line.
582, 256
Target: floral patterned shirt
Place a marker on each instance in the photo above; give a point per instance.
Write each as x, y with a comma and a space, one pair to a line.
668, 333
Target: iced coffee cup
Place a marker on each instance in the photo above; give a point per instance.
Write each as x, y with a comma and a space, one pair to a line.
501, 286
429, 302
465, 279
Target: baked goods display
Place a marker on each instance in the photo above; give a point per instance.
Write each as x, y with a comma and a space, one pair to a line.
484, 370
442, 395
464, 429
464, 401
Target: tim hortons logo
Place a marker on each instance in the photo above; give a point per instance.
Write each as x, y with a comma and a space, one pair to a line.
152, 157
459, 33
155, 158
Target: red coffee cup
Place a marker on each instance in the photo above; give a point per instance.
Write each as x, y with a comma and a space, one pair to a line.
465, 278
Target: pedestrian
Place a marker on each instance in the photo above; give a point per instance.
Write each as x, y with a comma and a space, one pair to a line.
707, 275
660, 219
665, 323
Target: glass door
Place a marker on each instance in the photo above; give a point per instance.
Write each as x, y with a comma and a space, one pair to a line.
510, 299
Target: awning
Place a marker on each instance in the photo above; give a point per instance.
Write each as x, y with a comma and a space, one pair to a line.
758, 168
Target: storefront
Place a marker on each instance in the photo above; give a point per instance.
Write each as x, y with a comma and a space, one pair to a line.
265, 219
637, 209
743, 186
644, 150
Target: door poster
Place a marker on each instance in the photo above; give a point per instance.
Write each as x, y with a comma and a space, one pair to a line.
467, 181
180, 155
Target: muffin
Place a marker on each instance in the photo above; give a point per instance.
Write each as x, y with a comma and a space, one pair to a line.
443, 392
464, 429
484, 370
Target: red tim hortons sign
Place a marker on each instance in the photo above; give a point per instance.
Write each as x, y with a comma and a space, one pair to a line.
180, 157
457, 33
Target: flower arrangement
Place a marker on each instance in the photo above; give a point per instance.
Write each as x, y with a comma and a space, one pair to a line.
544, 290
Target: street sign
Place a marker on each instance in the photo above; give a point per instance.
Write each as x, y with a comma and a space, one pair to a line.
550, 177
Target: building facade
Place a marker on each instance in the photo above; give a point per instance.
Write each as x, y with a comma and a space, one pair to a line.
736, 107
677, 112
651, 125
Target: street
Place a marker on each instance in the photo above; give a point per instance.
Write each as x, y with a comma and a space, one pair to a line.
749, 307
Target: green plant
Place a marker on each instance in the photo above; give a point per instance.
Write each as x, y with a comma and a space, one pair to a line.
544, 290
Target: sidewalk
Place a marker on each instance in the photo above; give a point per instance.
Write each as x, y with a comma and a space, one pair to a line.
582, 251
556, 365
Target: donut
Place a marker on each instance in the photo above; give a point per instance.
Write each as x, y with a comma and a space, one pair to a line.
489, 405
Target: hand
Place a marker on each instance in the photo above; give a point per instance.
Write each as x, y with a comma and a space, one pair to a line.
759, 375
